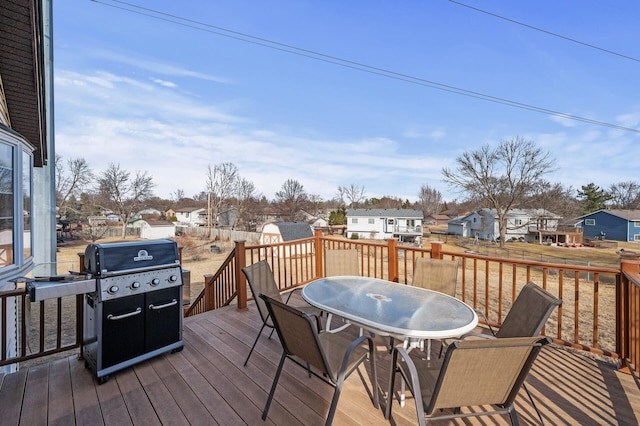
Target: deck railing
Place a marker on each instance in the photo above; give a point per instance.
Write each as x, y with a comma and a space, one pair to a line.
600, 311
599, 314
44, 328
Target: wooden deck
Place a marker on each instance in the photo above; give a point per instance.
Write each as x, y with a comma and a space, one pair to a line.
206, 384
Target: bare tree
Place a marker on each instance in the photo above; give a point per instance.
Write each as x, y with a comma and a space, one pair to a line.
292, 197
625, 195
354, 193
177, 195
122, 193
71, 181
555, 198
221, 184
503, 176
245, 192
430, 200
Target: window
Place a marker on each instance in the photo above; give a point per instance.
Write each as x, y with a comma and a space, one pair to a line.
15, 199
636, 223
518, 221
636, 237
372, 221
354, 220
590, 222
7, 247
411, 223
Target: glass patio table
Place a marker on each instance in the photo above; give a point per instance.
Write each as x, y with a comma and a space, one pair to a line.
387, 308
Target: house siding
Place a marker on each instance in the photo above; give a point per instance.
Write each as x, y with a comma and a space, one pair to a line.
380, 224
613, 226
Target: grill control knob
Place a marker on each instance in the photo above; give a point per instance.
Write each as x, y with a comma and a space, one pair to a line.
135, 285
155, 282
173, 278
113, 289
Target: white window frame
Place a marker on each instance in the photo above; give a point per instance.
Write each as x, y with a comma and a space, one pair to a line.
22, 150
589, 222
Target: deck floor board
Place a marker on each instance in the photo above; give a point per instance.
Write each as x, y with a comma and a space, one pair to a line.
207, 384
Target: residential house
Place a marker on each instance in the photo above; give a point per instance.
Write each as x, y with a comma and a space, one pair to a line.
280, 232
149, 213
381, 224
522, 224
316, 221
618, 225
26, 131
151, 229
191, 216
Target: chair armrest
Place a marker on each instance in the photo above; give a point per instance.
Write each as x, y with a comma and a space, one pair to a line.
290, 293
486, 320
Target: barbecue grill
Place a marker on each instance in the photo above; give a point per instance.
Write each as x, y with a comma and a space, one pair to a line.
132, 302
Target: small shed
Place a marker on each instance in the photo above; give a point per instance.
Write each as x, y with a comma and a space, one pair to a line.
282, 232
151, 229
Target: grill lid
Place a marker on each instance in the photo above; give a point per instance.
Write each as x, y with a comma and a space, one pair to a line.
113, 258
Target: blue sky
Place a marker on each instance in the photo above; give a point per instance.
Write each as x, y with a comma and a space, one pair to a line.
168, 88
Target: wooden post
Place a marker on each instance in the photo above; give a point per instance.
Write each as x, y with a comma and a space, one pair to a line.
628, 263
436, 249
393, 259
241, 262
319, 254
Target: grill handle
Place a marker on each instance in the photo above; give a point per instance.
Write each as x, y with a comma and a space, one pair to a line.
166, 305
127, 315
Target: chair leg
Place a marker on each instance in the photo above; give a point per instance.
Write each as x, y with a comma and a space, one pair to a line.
273, 386
514, 417
392, 379
254, 344
524, 386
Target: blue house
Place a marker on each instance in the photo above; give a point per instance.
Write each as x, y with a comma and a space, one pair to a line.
619, 225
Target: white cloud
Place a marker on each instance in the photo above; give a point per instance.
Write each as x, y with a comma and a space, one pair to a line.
164, 83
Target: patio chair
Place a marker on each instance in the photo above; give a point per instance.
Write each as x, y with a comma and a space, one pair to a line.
528, 314
332, 357
468, 377
261, 281
436, 274
341, 262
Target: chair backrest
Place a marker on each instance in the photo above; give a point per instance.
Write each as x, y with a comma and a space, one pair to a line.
436, 274
261, 281
469, 376
298, 334
341, 262
529, 312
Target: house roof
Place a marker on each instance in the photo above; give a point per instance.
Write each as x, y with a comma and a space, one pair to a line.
440, 216
157, 222
540, 213
624, 214
386, 213
294, 230
188, 209
22, 71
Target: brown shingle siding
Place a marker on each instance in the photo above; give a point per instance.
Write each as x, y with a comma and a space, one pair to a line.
21, 68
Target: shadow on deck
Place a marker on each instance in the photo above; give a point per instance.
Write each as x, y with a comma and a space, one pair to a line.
206, 384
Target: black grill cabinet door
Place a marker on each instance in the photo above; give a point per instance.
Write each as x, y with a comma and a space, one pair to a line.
164, 317
123, 329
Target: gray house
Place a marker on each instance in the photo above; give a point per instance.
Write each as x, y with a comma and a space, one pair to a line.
522, 224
